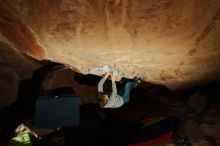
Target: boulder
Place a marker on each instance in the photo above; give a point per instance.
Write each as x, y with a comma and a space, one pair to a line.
172, 43
197, 102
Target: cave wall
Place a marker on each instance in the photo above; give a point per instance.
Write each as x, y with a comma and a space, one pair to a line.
14, 67
170, 42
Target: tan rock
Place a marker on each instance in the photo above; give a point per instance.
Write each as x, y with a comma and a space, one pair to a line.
173, 43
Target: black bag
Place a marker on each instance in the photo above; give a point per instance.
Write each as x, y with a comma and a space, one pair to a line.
57, 110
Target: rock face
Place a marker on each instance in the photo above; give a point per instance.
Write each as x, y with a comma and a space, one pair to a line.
14, 67
197, 102
173, 43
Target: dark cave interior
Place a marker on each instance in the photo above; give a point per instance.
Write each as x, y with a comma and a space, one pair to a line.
97, 125
54, 53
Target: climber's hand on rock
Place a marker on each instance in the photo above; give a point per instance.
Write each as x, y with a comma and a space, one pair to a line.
112, 77
107, 74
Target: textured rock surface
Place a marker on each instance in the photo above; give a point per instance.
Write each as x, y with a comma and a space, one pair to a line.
14, 67
169, 42
197, 102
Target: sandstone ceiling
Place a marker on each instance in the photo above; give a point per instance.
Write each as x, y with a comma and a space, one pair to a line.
170, 42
